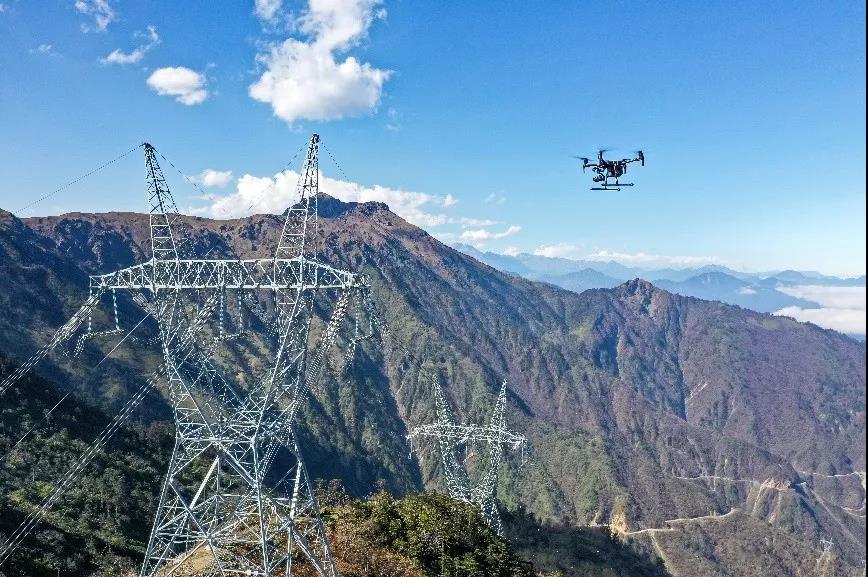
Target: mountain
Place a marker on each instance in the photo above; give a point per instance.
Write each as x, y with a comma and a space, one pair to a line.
534, 267
793, 277
691, 429
581, 280
765, 292
725, 288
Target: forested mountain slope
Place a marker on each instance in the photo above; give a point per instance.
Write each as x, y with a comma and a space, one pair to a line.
642, 407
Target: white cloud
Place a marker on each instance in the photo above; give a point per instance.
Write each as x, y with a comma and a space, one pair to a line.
849, 321
560, 250
494, 198
476, 222
2, 8
274, 194
573, 252
187, 86
102, 12
267, 9
839, 297
46, 49
304, 79
480, 234
210, 177
841, 308
746, 290
512, 251
119, 57
652, 260
449, 200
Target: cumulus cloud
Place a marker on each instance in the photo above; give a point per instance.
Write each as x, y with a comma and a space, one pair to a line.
117, 56
256, 194
840, 308
100, 10
560, 250
210, 177
308, 79
512, 251
480, 234
267, 9
187, 86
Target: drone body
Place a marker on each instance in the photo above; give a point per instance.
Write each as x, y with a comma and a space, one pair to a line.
607, 173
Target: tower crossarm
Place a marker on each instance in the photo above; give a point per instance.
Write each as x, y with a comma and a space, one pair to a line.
467, 433
274, 274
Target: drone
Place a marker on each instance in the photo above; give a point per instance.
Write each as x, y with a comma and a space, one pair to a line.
610, 169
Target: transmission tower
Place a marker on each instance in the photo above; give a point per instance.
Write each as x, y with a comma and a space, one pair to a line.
451, 438
236, 499
826, 555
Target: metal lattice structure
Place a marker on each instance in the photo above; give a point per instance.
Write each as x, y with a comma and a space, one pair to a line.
452, 437
237, 499
226, 505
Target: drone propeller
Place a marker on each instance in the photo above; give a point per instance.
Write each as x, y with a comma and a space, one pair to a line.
641, 156
585, 160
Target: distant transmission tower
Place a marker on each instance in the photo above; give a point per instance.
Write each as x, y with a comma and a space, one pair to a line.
452, 437
826, 555
237, 499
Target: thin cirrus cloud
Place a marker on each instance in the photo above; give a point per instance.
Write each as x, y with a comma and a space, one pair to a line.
186, 85
309, 79
117, 56
638, 259
495, 198
840, 308
100, 11
653, 260
45, 49
481, 234
256, 194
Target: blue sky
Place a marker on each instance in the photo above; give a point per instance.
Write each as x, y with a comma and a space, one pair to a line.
463, 116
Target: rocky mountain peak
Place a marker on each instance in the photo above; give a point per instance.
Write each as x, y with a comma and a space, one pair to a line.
331, 207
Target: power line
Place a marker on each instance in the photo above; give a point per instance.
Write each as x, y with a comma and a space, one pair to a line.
274, 181
69, 392
77, 180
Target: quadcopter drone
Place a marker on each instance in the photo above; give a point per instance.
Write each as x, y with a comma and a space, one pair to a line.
610, 169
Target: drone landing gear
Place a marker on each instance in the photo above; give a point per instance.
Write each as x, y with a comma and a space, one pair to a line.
614, 186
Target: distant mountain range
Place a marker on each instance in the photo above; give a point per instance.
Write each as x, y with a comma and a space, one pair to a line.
756, 291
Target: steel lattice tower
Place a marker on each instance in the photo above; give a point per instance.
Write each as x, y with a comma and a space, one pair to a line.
451, 437
237, 499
